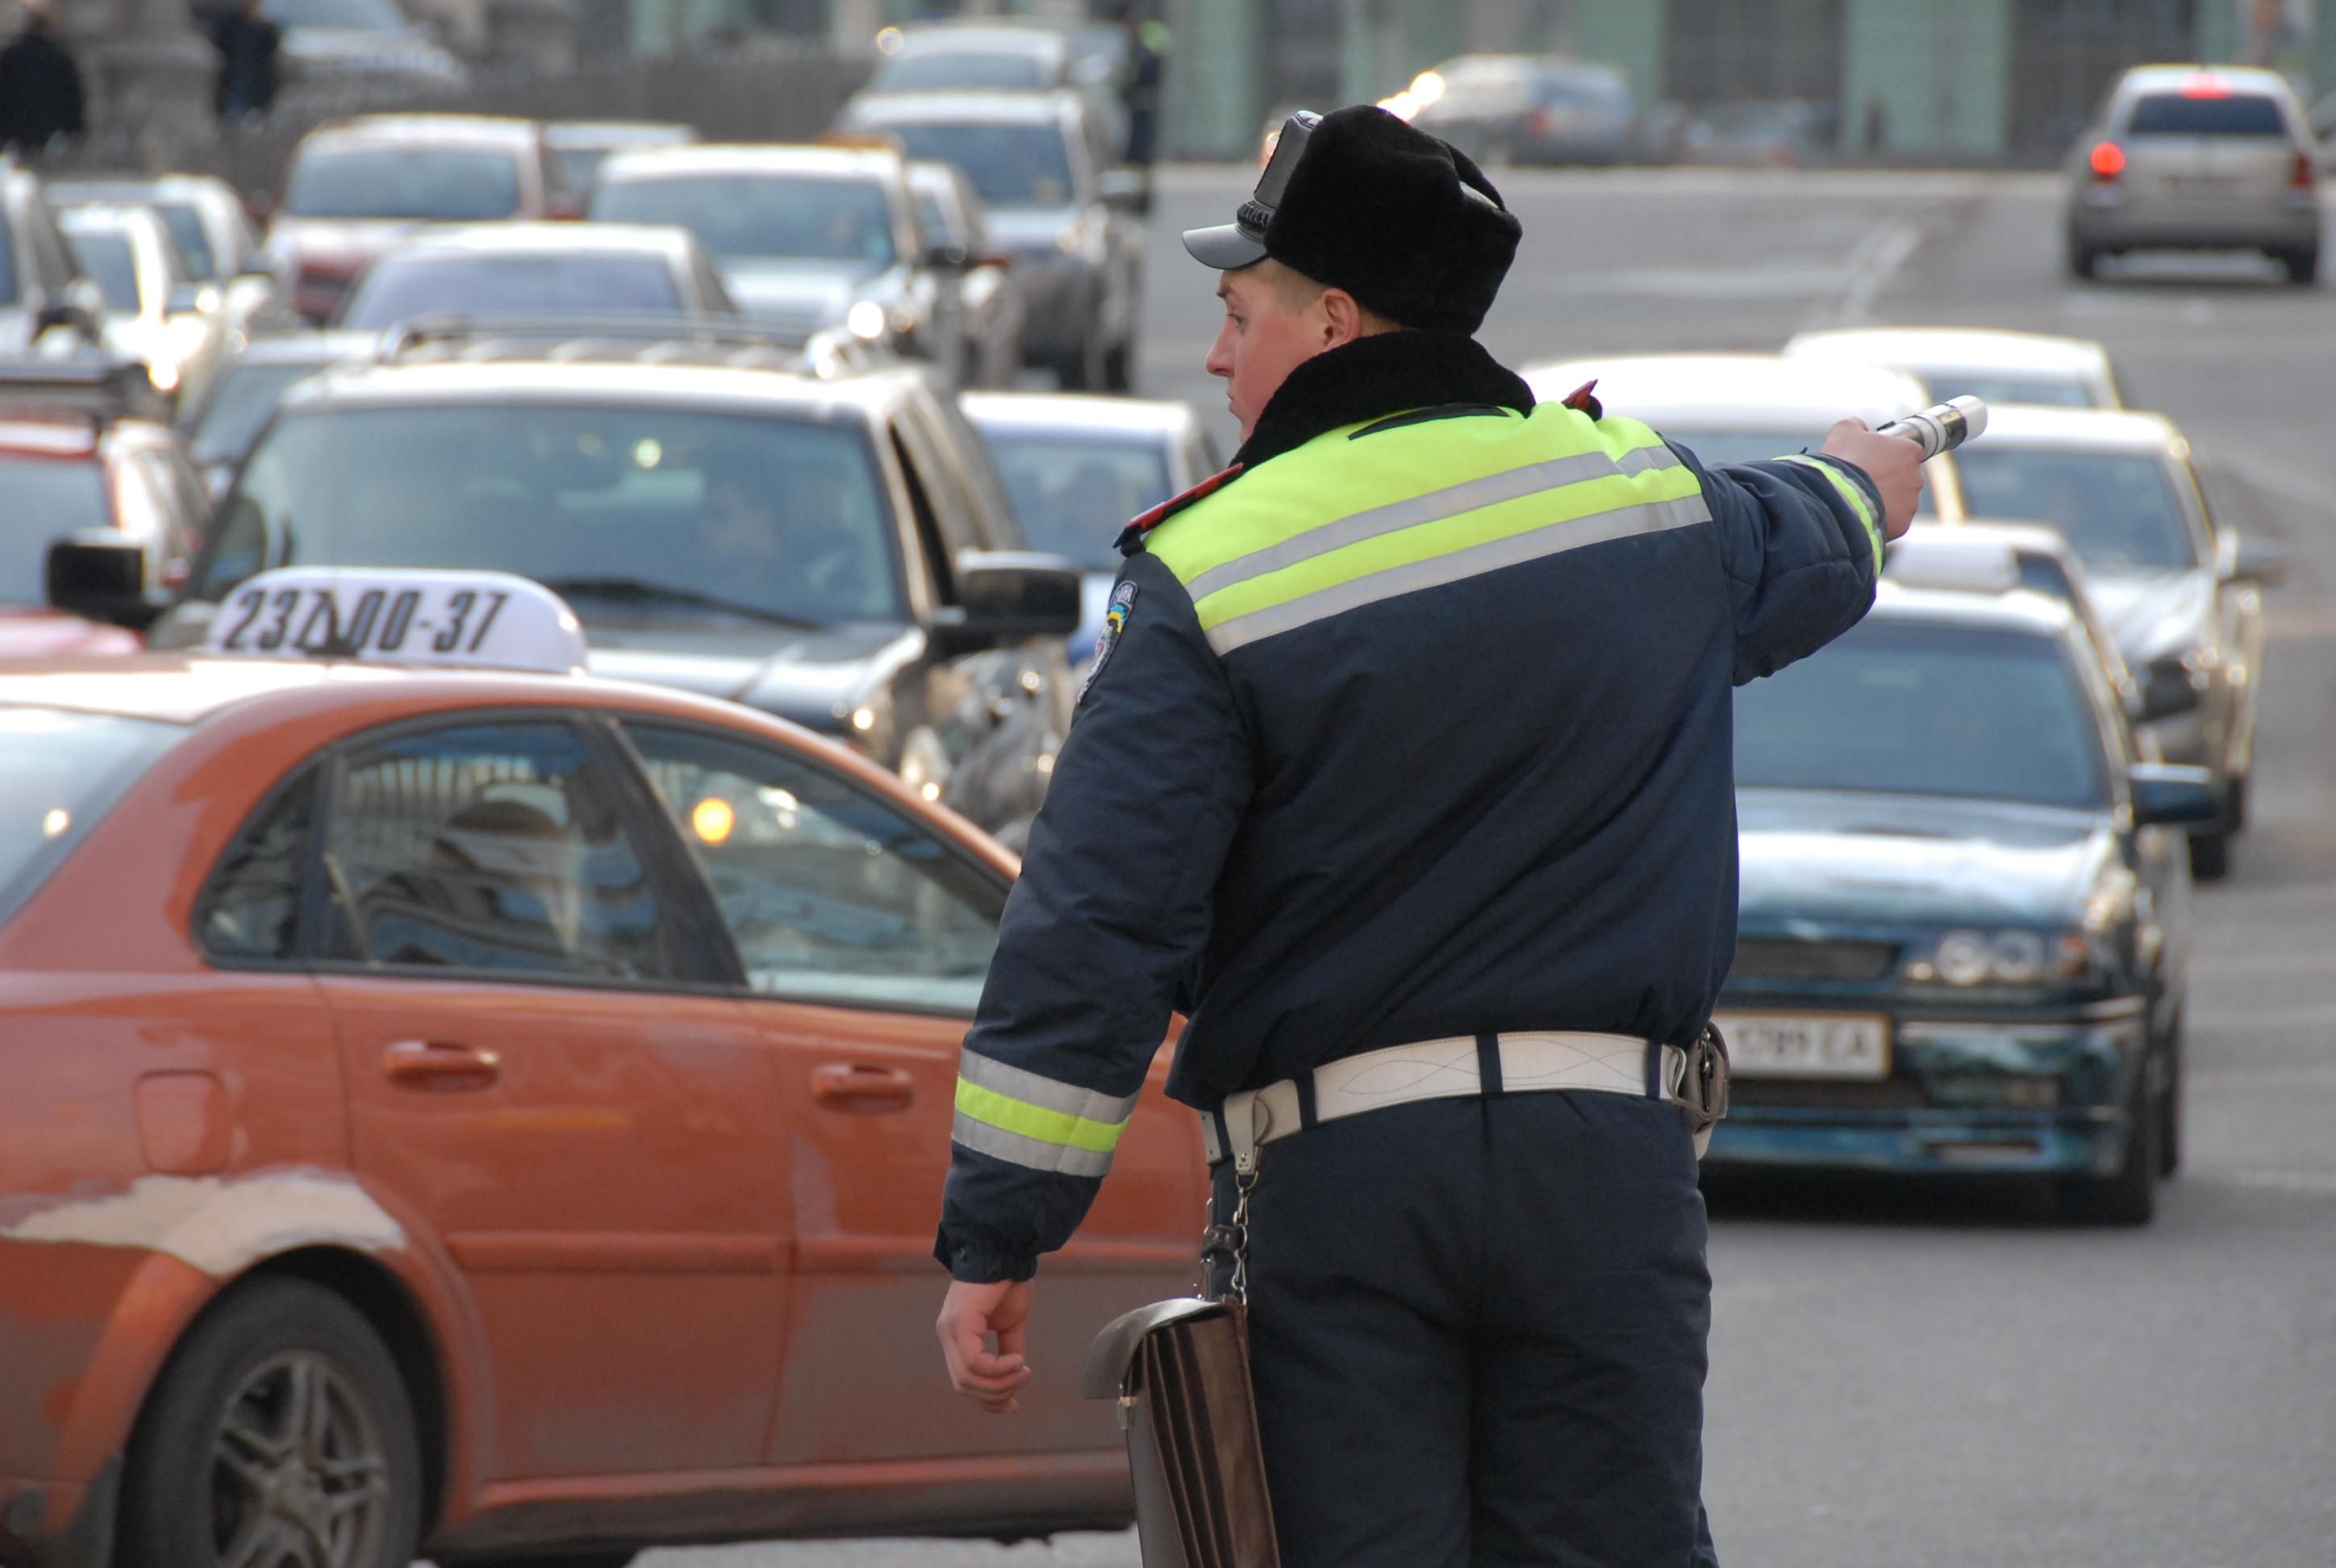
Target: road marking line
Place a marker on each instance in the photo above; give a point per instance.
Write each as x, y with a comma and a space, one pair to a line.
2316, 1182
1877, 258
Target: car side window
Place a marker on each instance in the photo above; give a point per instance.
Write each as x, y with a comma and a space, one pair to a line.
250, 909
491, 846
830, 894
925, 457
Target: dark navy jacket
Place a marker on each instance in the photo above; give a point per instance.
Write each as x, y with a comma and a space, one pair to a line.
1502, 800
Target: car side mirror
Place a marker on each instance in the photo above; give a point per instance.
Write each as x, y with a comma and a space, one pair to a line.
2256, 563
1126, 189
103, 578
2165, 692
1004, 596
68, 315
2165, 794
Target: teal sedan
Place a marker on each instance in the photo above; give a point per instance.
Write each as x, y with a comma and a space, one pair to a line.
1964, 908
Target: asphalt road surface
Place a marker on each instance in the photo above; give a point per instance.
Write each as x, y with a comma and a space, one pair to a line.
1914, 1377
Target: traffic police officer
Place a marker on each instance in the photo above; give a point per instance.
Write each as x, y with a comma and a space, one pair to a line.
1406, 770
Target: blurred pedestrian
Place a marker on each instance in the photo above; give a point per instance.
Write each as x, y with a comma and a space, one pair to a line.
40, 85
1140, 81
249, 74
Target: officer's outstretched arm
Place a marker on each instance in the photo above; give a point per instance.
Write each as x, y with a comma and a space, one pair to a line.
1801, 540
1109, 917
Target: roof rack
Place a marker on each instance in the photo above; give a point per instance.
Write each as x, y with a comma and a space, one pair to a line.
103, 390
712, 340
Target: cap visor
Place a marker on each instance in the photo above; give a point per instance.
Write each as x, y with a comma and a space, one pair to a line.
1224, 247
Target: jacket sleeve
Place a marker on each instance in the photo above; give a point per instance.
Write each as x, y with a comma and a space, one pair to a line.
1801, 540
1100, 934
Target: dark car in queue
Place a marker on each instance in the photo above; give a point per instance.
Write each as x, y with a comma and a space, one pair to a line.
222, 424
807, 239
358, 185
1531, 108
1079, 468
505, 270
86, 453
836, 551
1041, 166
1963, 921
2181, 588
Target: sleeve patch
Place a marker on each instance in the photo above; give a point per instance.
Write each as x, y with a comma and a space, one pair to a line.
1114, 621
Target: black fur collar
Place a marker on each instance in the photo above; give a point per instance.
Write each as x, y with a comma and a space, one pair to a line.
1373, 376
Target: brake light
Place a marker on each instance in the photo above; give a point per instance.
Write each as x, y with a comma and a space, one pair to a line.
2302, 175
2108, 160
2206, 87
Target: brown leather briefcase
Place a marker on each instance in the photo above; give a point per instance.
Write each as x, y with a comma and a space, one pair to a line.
1177, 1374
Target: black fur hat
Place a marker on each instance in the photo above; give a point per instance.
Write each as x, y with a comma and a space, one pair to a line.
1359, 200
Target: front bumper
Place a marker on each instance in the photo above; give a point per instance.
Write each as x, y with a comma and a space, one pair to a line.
58, 1524
1962, 1096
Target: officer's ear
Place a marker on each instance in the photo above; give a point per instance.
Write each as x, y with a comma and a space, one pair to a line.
1344, 318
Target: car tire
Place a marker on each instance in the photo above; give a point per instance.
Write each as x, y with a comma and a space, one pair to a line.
2210, 855
1082, 369
2234, 806
2129, 1197
2084, 260
1119, 368
2303, 266
283, 1411
2169, 1110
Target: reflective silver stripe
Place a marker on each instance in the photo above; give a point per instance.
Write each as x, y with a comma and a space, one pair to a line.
1048, 1094
1035, 1154
1469, 495
1553, 539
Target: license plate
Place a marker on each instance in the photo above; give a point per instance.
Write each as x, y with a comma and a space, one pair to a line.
1810, 1046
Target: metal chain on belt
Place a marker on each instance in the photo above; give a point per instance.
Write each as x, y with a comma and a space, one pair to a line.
1230, 1240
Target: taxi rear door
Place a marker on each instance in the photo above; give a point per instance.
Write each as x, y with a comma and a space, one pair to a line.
864, 937
534, 1076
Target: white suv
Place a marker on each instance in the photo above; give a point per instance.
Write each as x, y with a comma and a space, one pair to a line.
2197, 158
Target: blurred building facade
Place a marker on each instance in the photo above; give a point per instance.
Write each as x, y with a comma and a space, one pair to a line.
1908, 79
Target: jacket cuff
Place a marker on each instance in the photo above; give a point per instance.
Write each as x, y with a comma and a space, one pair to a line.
981, 1260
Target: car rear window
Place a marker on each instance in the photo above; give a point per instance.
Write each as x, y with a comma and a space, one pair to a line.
1075, 492
1993, 388
440, 182
2117, 509
186, 225
60, 773
1937, 710
1009, 165
400, 288
750, 217
639, 516
983, 70
2202, 114
108, 259
49, 498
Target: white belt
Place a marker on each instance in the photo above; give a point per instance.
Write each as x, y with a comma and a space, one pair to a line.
1450, 1069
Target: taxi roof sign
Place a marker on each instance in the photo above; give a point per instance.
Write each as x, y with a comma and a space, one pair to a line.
405, 616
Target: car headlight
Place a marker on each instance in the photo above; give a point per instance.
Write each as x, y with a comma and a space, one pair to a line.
2013, 957
867, 319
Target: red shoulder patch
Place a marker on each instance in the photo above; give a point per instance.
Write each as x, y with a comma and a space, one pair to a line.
1131, 538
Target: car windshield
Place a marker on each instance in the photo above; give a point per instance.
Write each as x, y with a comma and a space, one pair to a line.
754, 217
2206, 114
635, 513
49, 499
358, 15
236, 407
112, 265
925, 71
2118, 509
1992, 388
1073, 490
1913, 709
401, 287
1714, 447
1009, 165
60, 773
186, 227
449, 183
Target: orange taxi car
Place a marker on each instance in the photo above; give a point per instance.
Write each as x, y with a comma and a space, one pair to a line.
494, 1115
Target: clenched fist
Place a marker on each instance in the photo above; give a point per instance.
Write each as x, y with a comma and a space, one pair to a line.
1892, 462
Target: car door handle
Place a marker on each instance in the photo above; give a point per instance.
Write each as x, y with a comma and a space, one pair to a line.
439, 1065
863, 1089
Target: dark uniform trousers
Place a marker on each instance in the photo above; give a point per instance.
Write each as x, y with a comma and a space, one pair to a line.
1477, 1332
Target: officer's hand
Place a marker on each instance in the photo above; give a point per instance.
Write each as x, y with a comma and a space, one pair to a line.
969, 1315
1892, 462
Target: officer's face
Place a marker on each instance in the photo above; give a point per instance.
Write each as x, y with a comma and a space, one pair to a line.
1274, 322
